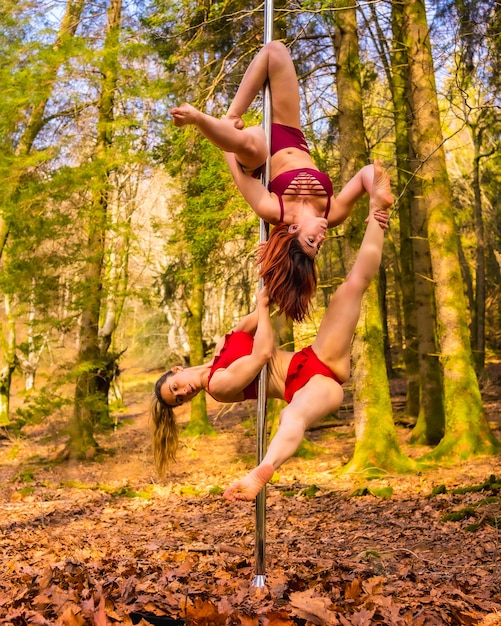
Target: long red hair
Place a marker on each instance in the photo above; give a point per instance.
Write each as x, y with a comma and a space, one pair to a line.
288, 273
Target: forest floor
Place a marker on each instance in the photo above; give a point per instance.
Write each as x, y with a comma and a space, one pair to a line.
106, 542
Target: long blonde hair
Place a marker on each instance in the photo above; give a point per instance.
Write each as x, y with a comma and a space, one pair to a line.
164, 428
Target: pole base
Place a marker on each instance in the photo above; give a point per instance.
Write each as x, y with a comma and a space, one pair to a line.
259, 580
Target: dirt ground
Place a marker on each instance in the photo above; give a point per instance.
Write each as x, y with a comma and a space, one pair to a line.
107, 542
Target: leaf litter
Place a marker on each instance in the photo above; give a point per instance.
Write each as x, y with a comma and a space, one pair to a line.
106, 542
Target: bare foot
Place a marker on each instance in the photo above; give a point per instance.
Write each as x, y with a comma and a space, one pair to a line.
250, 485
184, 114
381, 197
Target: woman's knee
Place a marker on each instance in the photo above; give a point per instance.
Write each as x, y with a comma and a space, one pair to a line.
276, 48
255, 146
279, 58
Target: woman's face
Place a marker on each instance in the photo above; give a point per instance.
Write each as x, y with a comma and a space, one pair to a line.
310, 233
180, 387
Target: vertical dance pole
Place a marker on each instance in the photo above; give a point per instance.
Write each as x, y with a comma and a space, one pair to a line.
260, 545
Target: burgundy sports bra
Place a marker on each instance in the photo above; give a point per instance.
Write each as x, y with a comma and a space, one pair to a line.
302, 182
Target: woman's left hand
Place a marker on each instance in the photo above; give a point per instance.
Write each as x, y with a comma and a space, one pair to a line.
382, 217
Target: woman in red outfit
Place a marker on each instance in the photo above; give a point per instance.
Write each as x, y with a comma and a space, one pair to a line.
309, 380
299, 201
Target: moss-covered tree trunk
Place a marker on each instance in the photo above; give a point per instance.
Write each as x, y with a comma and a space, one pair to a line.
429, 428
91, 399
8, 365
422, 364
199, 421
478, 317
466, 429
376, 449
398, 90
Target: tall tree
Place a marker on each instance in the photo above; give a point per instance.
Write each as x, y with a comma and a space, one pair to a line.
26, 117
466, 429
376, 448
93, 363
473, 92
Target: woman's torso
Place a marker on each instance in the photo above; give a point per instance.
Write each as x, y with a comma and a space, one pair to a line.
306, 197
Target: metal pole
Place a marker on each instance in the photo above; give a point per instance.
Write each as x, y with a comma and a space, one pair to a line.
260, 542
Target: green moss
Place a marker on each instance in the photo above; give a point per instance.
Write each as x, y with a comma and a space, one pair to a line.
13, 452
478, 510
73, 484
492, 483
439, 489
308, 450
310, 492
197, 429
190, 490
381, 492
457, 516
24, 476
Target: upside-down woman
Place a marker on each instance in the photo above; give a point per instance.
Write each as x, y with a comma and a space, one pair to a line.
300, 200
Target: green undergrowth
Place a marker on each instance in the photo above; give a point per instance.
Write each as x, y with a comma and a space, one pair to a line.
123, 491
378, 492
486, 511
305, 492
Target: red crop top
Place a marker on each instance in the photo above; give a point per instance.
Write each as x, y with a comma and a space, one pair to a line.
236, 345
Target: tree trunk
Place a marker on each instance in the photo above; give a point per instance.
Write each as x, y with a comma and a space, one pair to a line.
407, 287
478, 321
429, 428
424, 396
466, 429
9, 364
91, 398
377, 449
199, 421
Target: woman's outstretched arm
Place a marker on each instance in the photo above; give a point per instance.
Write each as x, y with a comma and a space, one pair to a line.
367, 180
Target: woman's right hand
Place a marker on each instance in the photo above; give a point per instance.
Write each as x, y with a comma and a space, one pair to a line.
262, 297
236, 120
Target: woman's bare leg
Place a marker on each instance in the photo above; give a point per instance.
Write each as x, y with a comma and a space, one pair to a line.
273, 62
310, 404
249, 145
251, 484
333, 341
